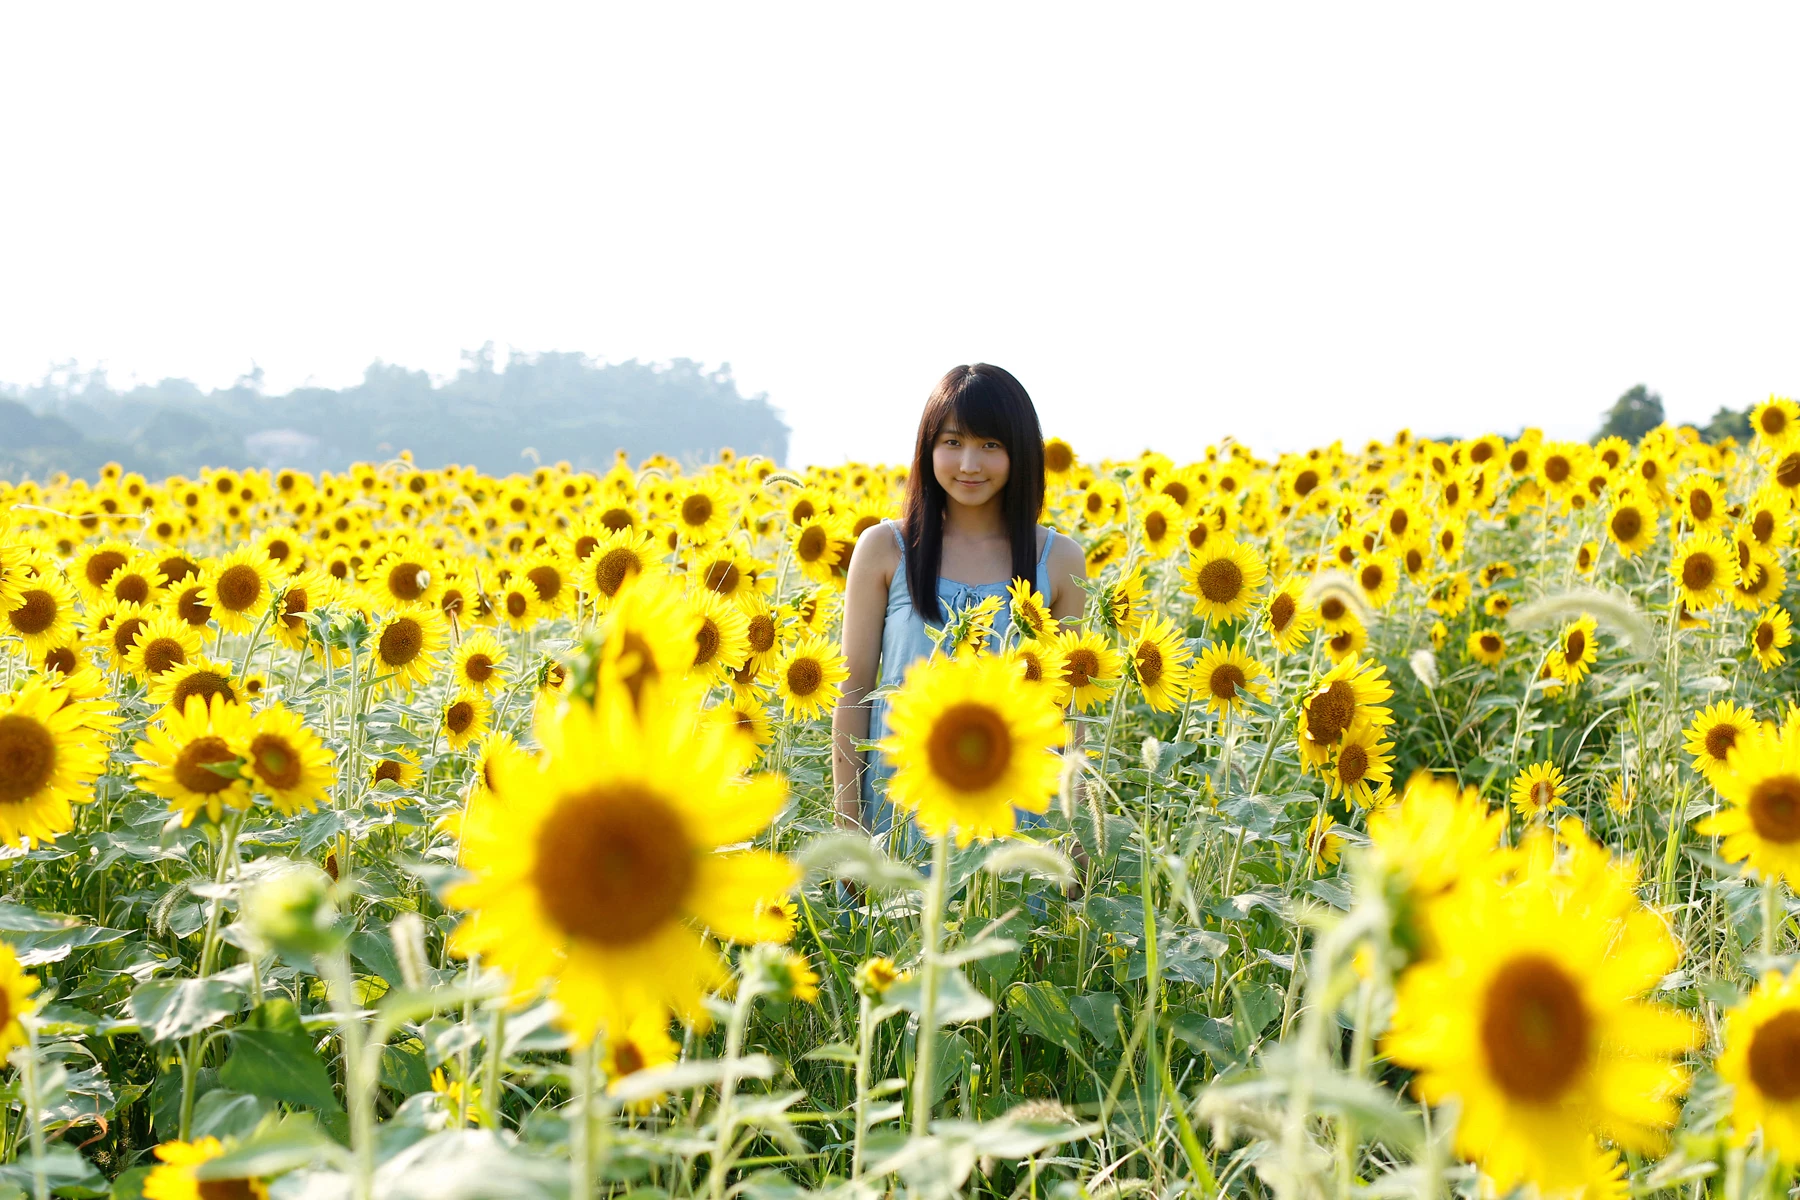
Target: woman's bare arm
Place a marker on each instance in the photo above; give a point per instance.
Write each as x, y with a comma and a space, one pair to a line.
1067, 569
872, 564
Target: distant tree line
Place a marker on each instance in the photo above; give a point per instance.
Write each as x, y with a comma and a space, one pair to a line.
491, 416
1640, 410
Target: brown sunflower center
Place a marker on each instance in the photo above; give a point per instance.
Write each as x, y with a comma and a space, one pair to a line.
762, 633
1329, 712
1221, 581
1773, 421
614, 568
1149, 664
1490, 642
225, 1189
1343, 641
401, 642
1775, 1056
1698, 572
163, 653
1156, 527
1762, 525
190, 609
516, 604
1353, 764
204, 684
1034, 666
64, 659
1775, 808
1765, 637
191, 765
696, 510
1058, 457
387, 769
1575, 645
178, 567
1720, 740
706, 642
237, 588
1225, 680
805, 676
1700, 505
969, 747
1557, 468
1535, 1029
614, 865
293, 604
27, 757
36, 612
133, 588
1083, 665
1373, 577
1542, 793
277, 762
459, 717
1626, 524
627, 1059
1305, 482
125, 633
1787, 472
478, 668
723, 577
1281, 611
101, 566
403, 581
549, 582
812, 544
1332, 608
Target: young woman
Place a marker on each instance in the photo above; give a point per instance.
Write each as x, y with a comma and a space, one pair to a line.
969, 529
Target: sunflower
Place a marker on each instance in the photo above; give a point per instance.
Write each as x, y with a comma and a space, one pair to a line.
44, 613
1769, 519
403, 647
1363, 770
1498, 604
968, 745
1575, 651
1761, 1062
1436, 840
722, 641
403, 574
1159, 659
516, 602
136, 582
1702, 567
15, 999
161, 644
1091, 667
202, 677
1587, 556
1529, 1015
1160, 524
1760, 579
1041, 664
120, 624
746, 717
1538, 789
1125, 602
464, 718
1770, 636
762, 632
304, 593
49, 758
1377, 578
186, 603
1716, 734
816, 545
1348, 693
1775, 422
398, 766
698, 510
174, 1177
1700, 504
808, 677
1349, 640
556, 586
601, 865
616, 559
643, 1044
1487, 647
1323, 843
190, 758
1288, 616
479, 663
1224, 577
239, 588
1228, 677
1761, 787
1448, 594
95, 564
649, 638
1029, 614
287, 762
1631, 525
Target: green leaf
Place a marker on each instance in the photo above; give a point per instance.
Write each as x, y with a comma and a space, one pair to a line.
277, 1066
54, 945
958, 1001
294, 1142
169, 1009
1098, 1013
1040, 1004
66, 1171
16, 918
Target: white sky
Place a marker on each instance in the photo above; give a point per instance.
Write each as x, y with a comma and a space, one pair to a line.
1285, 223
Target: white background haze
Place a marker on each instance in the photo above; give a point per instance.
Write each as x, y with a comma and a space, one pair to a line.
1282, 223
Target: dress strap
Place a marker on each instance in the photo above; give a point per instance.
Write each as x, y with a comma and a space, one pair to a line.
1044, 554
894, 528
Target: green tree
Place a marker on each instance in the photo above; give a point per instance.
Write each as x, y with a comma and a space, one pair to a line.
1727, 423
1633, 415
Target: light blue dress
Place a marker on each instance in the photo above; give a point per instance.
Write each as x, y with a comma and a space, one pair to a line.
904, 641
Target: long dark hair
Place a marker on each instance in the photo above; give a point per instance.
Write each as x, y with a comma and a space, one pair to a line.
986, 402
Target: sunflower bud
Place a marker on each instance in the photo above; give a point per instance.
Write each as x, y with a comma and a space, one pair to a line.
290, 911
876, 975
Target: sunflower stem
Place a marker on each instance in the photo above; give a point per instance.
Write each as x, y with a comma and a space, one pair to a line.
864, 1036
726, 1117
581, 1133
358, 1084
28, 1077
931, 933
1771, 905
493, 1067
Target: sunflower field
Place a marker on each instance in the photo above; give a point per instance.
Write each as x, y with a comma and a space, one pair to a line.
1416, 820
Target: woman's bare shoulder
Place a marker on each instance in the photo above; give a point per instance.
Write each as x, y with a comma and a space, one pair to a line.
1066, 556
876, 552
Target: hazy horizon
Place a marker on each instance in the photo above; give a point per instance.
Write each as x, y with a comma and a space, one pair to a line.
1174, 226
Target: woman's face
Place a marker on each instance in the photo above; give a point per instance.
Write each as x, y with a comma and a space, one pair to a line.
972, 469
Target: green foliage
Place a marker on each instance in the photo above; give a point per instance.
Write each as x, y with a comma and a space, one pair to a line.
1632, 415
500, 417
